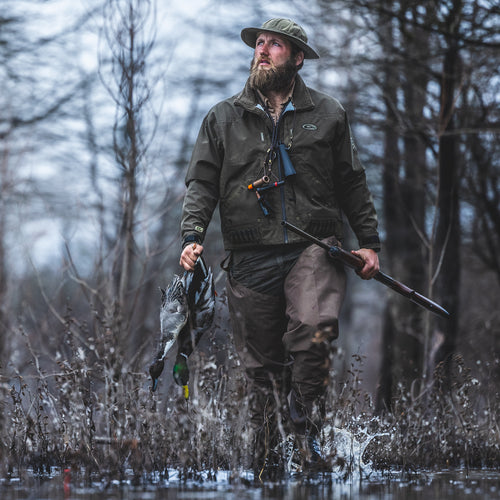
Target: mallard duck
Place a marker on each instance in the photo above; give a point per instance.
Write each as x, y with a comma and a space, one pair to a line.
187, 311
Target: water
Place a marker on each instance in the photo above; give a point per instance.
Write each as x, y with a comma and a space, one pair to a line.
443, 485
354, 479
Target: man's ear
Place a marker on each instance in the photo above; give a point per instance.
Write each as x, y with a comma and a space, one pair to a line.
299, 58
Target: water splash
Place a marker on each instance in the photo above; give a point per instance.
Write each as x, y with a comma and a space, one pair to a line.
347, 450
338, 447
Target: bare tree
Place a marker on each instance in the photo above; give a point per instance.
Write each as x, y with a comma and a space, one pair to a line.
130, 35
448, 245
415, 67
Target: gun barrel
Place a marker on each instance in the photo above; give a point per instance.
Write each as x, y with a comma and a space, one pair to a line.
411, 294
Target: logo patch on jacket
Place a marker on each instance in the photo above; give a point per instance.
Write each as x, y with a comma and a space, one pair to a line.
309, 126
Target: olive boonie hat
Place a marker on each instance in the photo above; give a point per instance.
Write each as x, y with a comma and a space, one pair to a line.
285, 28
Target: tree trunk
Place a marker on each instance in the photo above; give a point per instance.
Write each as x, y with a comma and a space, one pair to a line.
447, 248
392, 216
404, 210
3, 266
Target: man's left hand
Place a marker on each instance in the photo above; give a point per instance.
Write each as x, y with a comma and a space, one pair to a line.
370, 258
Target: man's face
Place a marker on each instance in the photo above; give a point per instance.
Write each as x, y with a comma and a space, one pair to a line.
273, 67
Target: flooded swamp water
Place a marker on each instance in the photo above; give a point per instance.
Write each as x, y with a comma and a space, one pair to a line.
443, 485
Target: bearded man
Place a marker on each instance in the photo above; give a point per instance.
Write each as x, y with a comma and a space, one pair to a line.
280, 150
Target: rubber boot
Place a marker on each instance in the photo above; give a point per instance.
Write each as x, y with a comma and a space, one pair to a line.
307, 430
267, 463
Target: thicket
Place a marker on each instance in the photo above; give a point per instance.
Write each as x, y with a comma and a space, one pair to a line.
86, 409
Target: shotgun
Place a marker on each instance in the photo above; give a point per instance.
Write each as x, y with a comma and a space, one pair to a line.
355, 262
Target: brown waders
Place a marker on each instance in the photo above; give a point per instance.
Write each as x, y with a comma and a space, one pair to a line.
284, 304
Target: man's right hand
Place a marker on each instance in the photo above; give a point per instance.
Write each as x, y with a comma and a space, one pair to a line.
190, 255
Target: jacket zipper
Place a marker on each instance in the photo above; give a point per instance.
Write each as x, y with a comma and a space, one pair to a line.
289, 107
274, 145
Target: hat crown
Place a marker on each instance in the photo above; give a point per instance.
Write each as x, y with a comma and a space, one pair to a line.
284, 27
287, 27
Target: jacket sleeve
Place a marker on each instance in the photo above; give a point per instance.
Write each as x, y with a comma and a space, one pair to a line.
202, 181
355, 198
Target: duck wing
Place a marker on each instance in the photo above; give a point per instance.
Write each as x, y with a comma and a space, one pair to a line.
200, 292
173, 319
173, 315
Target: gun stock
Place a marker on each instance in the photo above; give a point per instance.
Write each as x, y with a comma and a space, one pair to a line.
355, 262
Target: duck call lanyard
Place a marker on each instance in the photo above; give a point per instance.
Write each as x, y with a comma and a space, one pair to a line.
285, 167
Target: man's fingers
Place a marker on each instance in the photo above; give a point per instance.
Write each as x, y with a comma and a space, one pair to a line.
370, 258
190, 255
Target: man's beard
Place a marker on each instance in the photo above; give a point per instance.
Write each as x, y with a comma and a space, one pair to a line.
274, 78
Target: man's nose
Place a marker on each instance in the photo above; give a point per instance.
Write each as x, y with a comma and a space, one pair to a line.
263, 49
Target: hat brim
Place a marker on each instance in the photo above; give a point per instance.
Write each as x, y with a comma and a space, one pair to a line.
249, 36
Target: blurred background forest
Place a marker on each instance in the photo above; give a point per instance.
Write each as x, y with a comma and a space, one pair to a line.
101, 102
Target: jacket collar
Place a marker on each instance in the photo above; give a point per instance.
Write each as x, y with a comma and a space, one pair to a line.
301, 97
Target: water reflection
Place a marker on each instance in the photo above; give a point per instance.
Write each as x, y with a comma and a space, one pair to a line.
447, 485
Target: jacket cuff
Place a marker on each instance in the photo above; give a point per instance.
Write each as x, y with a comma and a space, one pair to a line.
189, 239
372, 242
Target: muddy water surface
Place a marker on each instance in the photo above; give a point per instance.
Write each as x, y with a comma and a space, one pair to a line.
444, 485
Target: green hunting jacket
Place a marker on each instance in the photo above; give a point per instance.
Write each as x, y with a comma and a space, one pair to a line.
230, 154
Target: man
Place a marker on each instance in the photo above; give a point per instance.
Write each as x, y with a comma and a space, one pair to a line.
280, 151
